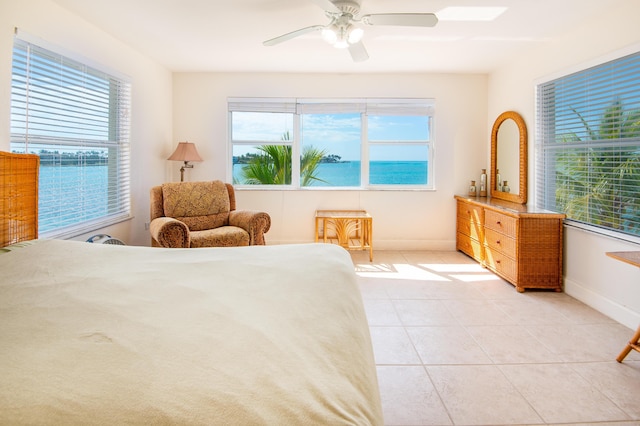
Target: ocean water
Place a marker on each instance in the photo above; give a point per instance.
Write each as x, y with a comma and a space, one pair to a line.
69, 195
380, 173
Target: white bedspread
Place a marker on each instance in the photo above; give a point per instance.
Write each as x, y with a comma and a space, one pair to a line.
104, 334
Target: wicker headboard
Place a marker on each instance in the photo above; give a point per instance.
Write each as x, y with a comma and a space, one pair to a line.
18, 197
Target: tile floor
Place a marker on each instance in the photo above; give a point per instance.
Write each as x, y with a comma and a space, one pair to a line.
456, 345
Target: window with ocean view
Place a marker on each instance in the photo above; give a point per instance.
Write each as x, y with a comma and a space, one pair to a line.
76, 118
351, 143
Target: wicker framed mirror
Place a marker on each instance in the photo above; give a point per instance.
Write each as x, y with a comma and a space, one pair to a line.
509, 134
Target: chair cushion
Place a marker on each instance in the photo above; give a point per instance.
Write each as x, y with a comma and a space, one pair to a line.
200, 205
224, 236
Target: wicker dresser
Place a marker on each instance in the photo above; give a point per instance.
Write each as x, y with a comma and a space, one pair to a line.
521, 244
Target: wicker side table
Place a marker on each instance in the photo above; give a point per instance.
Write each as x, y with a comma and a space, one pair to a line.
632, 258
351, 229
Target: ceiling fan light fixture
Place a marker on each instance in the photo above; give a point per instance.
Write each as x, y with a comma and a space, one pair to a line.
343, 36
330, 34
341, 44
355, 35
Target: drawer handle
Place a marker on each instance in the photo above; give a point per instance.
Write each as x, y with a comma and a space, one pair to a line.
498, 242
499, 223
498, 261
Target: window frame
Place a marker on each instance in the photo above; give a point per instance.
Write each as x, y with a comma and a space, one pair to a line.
103, 126
546, 130
363, 106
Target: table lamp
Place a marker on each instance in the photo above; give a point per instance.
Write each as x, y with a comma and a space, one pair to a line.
186, 151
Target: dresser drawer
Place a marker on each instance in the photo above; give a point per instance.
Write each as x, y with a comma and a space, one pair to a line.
469, 246
472, 229
500, 242
501, 264
469, 213
500, 222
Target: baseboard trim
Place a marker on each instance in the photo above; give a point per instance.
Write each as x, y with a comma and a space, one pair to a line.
413, 245
608, 307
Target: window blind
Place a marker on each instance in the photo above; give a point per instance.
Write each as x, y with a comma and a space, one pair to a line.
336, 106
406, 107
588, 145
76, 118
330, 107
285, 105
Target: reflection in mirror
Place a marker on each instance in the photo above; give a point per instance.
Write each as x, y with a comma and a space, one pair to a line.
509, 156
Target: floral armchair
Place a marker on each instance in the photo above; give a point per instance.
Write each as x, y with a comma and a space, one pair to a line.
203, 214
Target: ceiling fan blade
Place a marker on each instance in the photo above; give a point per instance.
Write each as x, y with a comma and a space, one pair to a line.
292, 34
326, 5
358, 52
402, 19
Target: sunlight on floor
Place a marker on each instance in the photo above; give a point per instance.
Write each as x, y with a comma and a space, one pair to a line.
454, 267
401, 271
425, 271
488, 276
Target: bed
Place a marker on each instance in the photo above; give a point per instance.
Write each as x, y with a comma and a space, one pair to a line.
108, 334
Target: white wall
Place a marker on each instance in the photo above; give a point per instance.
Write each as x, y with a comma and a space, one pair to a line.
401, 219
151, 94
606, 284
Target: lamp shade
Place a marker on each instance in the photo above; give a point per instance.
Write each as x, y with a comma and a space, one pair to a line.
186, 151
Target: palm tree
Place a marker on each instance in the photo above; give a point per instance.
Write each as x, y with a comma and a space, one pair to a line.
309, 162
273, 166
599, 185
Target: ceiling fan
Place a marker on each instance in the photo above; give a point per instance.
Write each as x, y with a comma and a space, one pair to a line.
345, 31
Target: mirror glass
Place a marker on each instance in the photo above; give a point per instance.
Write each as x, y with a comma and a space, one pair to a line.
509, 158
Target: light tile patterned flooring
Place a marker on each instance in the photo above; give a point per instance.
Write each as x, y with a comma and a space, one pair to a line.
456, 345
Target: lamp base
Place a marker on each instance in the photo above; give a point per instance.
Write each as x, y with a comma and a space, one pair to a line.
185, 166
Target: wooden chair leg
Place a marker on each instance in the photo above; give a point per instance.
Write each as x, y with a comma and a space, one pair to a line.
634, 344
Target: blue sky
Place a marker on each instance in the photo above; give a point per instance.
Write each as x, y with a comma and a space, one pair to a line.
338, 134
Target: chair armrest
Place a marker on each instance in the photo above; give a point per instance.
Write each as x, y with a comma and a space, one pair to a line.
170, 232
254, 222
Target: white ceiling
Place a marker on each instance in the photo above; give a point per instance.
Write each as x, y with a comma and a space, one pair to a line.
227, 35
